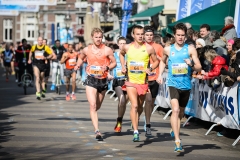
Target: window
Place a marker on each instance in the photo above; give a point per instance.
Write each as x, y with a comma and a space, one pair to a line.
30, 31
7, 30
61, 1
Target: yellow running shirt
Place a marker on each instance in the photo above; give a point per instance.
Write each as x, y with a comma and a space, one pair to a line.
137, 63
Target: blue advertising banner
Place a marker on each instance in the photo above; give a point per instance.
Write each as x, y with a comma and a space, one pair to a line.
127, 5
66, 37
124, 25
236, 18
198, 5
182, 9
23, 8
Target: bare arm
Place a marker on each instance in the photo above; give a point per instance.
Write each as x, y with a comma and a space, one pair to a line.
30, 57
163, 63
197, 65
81, 57
121, 57
64, 58
112, 59
154, 58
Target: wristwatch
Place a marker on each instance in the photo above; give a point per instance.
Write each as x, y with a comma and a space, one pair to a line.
107, 68
192, 64
150, 68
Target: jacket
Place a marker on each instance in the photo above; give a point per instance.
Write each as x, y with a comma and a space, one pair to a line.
229, 32
207, 40
217, 64
59, 52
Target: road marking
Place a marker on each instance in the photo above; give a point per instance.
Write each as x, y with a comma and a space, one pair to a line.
108, 156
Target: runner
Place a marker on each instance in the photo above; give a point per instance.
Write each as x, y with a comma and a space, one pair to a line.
37, 53
70, 59
152, 77
22, 55
118, 82
58, 50
98, 58
138, 54
182, 59
7, 57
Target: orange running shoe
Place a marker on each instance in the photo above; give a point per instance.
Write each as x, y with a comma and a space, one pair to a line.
67, 97
118, 127
73, 97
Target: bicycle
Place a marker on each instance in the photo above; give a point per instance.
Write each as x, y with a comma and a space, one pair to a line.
58, 80
26, 78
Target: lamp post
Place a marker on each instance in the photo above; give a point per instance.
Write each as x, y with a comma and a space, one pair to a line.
67, 21
116, 9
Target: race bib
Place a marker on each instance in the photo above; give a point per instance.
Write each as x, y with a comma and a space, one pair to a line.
179, 69
39, 55
119, 73
24, 60
153, 72
72, 62
136, 67
96, 71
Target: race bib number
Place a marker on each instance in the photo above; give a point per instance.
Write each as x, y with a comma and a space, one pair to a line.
96, 71
119, 73
39, 55
24, 60
153, 72
72, 62
136, 67
179, 69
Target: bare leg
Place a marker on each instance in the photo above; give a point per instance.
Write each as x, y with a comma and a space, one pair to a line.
122, 101
37, 78
148, 108
73, 81
175, 121
42, 79
67, 84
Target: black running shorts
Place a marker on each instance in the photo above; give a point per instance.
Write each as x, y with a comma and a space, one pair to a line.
118, 82
99, 84
68, 72
7, 64
153, 87
181, 95
40, 66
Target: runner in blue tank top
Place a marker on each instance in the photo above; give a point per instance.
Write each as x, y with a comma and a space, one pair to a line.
118, 82
181, 60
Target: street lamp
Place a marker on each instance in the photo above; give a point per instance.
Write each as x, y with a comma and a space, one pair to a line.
67, 21
116, 9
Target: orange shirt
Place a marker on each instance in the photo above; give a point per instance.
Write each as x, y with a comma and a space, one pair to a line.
96, 61
159, 52
72, 60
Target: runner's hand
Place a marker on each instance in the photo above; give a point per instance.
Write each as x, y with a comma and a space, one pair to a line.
238, 78
29, 61
124, 70
110, 77
188, 62
199, 76
203, 72
148, 71
160, 80
76, 68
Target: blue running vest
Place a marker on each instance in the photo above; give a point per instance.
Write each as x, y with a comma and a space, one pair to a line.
117, 71
8, 56
179, 73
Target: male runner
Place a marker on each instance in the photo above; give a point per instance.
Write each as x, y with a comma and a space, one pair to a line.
138, 55
182, 58
36, 56
7, 57
118, 82
70, 60
22, 55
152, 77
58, 50
100, 60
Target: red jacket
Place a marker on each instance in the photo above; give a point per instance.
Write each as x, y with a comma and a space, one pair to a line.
217, 63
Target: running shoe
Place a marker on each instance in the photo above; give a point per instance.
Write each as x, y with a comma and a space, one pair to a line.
38, 95
118, 127
68, 97
171, 133
13, 73
73, 97
98, 136
136, 137
16, 80
19, 84
53, 87
178, 147
148, 132
43, 93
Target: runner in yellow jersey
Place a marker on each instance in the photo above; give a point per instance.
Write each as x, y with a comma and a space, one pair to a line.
138, 56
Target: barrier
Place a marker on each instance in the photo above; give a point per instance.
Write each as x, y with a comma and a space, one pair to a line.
220, 106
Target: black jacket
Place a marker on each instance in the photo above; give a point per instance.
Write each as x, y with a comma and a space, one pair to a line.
59, 52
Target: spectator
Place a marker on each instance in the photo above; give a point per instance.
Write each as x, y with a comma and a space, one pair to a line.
200, 43
219, 45
157, 39
229, 31
189, 40
230, 50
204, 33
196, 35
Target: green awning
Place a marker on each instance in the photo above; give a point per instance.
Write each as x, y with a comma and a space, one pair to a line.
149, 12
116, 31
213, 16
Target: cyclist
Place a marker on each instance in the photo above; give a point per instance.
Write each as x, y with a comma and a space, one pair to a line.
58, 50
22, 55
37, 53
70, 59
7, 57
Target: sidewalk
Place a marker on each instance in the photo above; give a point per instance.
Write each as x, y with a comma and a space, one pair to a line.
55, 129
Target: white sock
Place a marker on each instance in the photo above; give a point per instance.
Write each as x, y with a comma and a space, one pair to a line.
73, 93
67, 93
178, 141
135, 131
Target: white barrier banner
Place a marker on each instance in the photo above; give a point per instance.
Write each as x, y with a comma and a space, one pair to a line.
163, 97
218, 106
9, 12
29, 2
